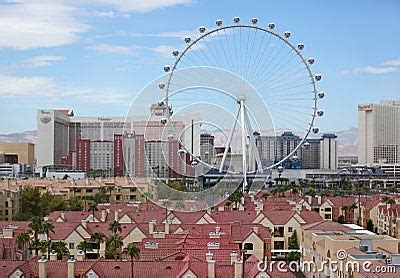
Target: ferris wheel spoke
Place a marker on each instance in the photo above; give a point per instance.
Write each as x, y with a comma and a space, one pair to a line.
261, 73
250, 61
284, 85
215, 58
285, 75
267, 74
280, 118
257, 58
277, 73
246, 57
228, 62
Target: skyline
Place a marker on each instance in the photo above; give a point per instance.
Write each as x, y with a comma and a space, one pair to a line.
96, 58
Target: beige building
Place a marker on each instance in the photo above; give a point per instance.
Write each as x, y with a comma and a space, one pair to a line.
379, 132
9, 201
13, 153
327, 241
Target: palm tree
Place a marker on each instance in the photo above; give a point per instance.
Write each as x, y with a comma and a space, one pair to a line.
47, 227
93, 208
134, 252
23, 239
36, 226
45, 246
60, 247
98, 238
85, 246
116, 242
388, 200
115, 227
35, 245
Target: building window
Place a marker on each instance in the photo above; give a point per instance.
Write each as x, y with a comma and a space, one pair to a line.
290, 229
71, 245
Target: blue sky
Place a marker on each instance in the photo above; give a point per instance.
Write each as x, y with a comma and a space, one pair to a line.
94, 56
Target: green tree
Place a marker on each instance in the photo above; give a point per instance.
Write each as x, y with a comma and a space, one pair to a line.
23, 240
341, 219
134, 253
85, 246
388, 200
60, 247
115, 228
235, 198
75, 204
294, 245
370, 225
36, 226
112, 244
35, 245
30, 203
98, 238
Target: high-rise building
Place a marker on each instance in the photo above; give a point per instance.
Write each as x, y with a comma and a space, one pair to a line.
206, 147
379, 132
328, 152
102, 156
274, 148
59, 131
53, 136
83, 155
118, 155
133, 154
310, 154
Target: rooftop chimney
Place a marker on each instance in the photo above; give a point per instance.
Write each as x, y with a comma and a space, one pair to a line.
152, 224
167, 223
42, 267
209, 256
53, 255
71, 268
238, 268
116, 215
62, 216
233, 257
103, 215
211, 268
80, 255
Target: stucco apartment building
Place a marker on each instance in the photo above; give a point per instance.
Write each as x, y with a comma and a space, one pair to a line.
327, 240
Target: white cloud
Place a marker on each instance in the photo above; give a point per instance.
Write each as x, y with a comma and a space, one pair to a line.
376, 70
34, 62
40, 86
395, 63
109, 14
116, 49
13, 86
385, 67
138, 5
38, 23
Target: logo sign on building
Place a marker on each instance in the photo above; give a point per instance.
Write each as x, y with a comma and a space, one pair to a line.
365, 107
45, 119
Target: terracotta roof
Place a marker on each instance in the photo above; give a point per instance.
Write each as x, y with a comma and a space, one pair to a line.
279, 217
339, 201
310, 216
327, 226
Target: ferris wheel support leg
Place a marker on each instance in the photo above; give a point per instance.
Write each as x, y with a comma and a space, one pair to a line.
253, 145
244, 148
228, 143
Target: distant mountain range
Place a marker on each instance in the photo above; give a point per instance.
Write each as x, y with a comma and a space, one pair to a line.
28, 136
347, 139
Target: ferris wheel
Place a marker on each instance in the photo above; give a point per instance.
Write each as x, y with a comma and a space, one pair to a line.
274, 73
